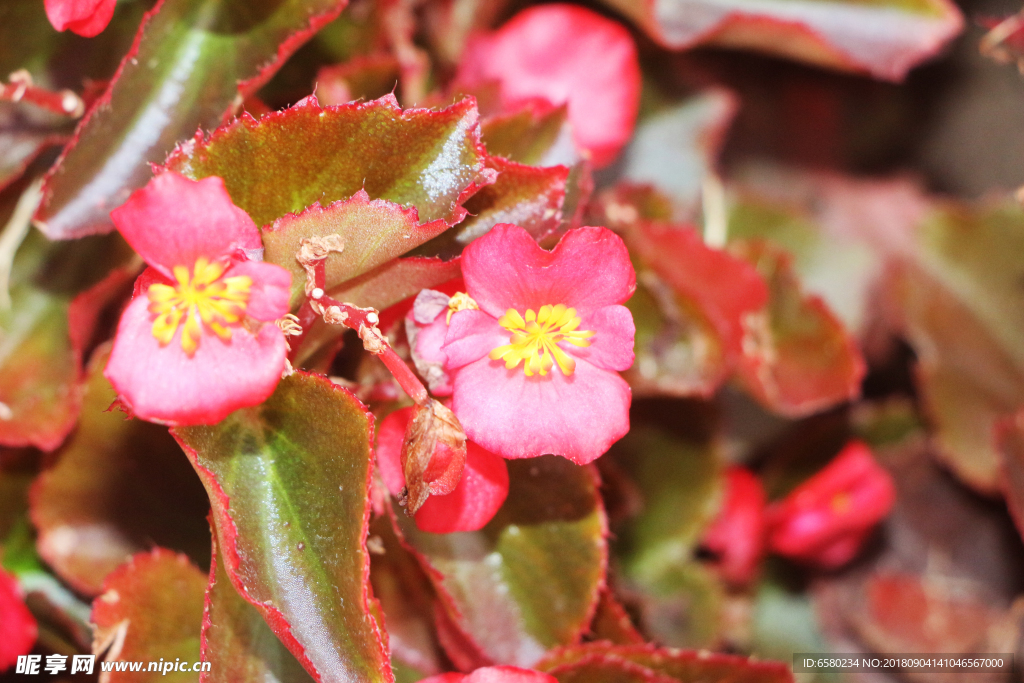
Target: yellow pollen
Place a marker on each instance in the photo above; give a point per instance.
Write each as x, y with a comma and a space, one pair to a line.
535, 339
202, 299
460, 302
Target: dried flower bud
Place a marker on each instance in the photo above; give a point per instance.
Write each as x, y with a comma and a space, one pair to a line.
433, 453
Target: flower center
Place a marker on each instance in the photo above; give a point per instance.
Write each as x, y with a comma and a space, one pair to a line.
536, 336
202, 298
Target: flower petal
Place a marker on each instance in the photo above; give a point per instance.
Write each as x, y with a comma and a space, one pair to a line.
567, 55
18, 628
478, 496
163, 384
426, 341
611, 348
471, 336
172, 221
516, 416
270, 291
588, 269
87, 18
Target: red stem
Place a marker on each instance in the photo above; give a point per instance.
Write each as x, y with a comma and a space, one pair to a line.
20, 89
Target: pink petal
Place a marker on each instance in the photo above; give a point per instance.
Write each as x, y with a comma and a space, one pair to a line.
271, 288
565, 54
588, 269
611, 348
517, 416
471, 336
172, 221
18, 627
476, 499
162, 384
452, 677
430, 358
87, 18
508, 674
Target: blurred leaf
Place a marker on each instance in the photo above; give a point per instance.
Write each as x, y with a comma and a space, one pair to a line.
958, 300
798, 359
237, 642
883, 38
192, 63
366, 77
612, 623
151, 608
1011, 446
676, 148
532, 134
119, 486
428, 160
374, 232
651, 663
529, 580
289, 484
681, 604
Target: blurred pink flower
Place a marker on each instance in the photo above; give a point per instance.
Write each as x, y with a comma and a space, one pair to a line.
494, 674
737, 534
18, 628
826, 520
566, 55
192, 345
84, 17
478, 496
534, 367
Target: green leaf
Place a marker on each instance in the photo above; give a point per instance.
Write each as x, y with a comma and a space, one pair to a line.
797, 359
192, 63
423, 159
289, 484
374, 232
237, 641
530, 579
119, 486
151, 609
529, 135
651, 663
885, 38
958, 301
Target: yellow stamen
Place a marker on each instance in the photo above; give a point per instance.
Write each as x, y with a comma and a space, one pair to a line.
535, 339
202, 298
460, 302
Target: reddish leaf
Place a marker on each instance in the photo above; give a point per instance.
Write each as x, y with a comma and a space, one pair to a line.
18, 628
530, 579
237, 641
1011, 444
365, 77
191, 62
304, 457
681, 666
119, 486
611, 622
429, 160
151, 608
883, 39
798, 359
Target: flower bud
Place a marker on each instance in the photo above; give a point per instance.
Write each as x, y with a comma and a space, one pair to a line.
433, 453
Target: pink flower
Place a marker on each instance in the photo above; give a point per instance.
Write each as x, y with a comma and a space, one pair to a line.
18, 629
534, 369
494, 674
566, 55
192, 345
737, 534
478, 496
826, 520
85, 17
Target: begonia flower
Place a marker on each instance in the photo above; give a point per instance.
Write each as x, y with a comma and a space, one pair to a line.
736, 535
87, 18
569, 55
477, 497
18, 628
494, 674
535, 350
197, 341
826, 520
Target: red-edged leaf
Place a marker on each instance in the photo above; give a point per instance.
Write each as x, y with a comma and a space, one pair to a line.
530, 579
119, 486
374, 233
365, 77
885, 39
798, 359
151, 609
535, 134
611, 622
428, 160
601, 668
192, 62
957, 299
289, 484
237, 641
676, 665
